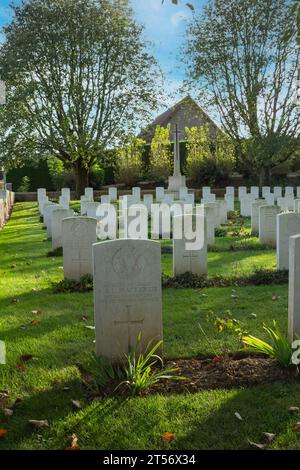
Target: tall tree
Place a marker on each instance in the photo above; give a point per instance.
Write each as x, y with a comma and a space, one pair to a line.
78, 78
243, 55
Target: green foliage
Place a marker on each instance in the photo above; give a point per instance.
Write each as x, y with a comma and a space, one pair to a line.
142, 368
226, 326
25, 185
160, 166
209, 157
243, 58
280, 347
259, 277
85, 284
130, 164
61, 99
56, 170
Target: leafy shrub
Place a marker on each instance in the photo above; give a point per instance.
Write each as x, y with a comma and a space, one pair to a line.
25, 185
70, 285
258, 277
280, 348
160, 154
209, 159
139, 370
129, 161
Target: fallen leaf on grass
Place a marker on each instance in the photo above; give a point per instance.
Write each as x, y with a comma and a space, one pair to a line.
39, 423
73, 443
293, 409
76, 403
258, 446
168, 437
8, 412
269, 435
89, 327
34, 322
21, 367
238, 416
296, 426
36, 313
84, 318
274, 297
3, 433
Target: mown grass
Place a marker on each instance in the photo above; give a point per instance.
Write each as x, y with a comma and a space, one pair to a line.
60, 342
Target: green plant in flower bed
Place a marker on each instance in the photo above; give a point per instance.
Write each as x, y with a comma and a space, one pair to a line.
258, 277
56, 252
71, 285
142, 370
280, 347
226, 327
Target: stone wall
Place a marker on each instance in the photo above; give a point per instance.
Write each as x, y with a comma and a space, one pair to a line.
7, 199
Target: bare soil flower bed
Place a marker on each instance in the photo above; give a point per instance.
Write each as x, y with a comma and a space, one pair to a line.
215, 373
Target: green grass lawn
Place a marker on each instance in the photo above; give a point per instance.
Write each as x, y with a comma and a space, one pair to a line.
61, 343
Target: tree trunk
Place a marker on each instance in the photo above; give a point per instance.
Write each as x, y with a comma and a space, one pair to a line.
262, 176
82, 177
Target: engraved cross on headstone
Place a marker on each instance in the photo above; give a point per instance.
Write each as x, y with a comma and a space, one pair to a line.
81, 255
176, 133
131, 320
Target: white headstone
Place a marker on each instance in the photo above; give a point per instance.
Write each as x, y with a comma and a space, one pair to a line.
48, 217
64, 202
298, 191
255, 213
205, 191
294, 287
66, 194
209, 211
222, 211
267, 225
184, 259
148, 200
127, 296
242, 191
84, 200
230, 202
113, 193
208, 198
41, 192
270, 199
230, 190
277, 192
91, 209
105, 199
265, 190
254, 191
246, 205
89, 194
42, 201
183, 192
159, 193
288, 224
78, 235
289, 191
136, 192
56, 225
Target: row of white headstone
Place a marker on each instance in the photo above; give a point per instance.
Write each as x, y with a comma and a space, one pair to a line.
6, 204
127, 279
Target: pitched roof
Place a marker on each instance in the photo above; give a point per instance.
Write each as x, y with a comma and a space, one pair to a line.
186, 113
